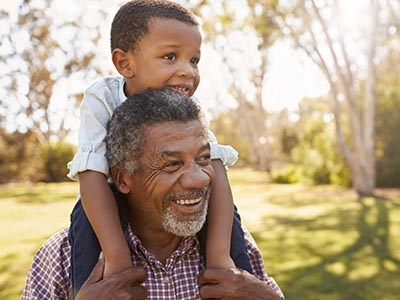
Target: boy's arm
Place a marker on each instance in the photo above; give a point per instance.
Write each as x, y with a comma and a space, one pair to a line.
220, 211
102, 211
220, 219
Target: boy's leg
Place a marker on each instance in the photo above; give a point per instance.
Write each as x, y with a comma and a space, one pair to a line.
85, 248
239, 252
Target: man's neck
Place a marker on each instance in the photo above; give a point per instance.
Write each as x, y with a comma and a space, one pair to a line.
159, 243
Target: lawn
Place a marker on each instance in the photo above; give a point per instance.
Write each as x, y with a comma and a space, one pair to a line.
319, 243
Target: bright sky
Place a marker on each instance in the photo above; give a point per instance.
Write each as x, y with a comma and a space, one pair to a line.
291, 75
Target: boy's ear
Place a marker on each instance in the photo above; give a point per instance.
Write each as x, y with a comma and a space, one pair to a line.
123, 62
121, 180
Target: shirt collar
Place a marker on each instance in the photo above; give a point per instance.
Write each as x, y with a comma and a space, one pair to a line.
121, 92
187, 246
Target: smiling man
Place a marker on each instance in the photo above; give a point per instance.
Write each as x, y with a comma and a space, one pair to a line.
160, 161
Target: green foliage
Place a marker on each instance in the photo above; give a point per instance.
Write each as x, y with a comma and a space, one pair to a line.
317, 157
289, 174
22, 158
19, 155
387, 137
54, 159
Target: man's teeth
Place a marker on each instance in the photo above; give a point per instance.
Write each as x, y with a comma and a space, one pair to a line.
188, 201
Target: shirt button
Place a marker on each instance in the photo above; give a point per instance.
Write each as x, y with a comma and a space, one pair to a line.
86, 148
166, 280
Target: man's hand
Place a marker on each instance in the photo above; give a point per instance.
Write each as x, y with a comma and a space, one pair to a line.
233, 284
121, 286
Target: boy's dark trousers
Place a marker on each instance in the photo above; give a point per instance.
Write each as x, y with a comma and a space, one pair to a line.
85, 248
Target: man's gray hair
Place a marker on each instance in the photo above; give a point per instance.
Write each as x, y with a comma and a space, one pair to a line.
125, 138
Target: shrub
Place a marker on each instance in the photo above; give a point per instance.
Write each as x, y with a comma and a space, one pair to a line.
54, 159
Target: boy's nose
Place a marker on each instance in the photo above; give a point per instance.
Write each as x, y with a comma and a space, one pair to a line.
194, 178
187, 70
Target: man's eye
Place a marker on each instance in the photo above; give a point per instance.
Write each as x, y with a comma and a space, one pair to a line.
204, 160
172, 166
170, 56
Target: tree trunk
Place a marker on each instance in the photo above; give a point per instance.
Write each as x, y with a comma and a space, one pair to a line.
359, 154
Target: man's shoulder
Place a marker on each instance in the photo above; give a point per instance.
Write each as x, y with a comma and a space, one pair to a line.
56, 244
49, 273
59, 237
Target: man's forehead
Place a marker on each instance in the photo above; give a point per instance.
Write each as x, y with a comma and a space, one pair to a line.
173, 127
175, 136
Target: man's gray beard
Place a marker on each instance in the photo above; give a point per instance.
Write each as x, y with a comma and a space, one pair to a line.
185, 228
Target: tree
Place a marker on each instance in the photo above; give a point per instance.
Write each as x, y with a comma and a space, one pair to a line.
319, 30
316, 155
243, 78
41, 51
48, 55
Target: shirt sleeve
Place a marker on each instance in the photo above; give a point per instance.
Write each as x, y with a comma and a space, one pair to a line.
48, 277
257, 263
95, 111
227, 154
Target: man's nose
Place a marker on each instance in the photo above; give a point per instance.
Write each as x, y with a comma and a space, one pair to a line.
194, 177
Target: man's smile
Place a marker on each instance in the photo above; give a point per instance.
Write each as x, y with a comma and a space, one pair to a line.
187, 205
188, 201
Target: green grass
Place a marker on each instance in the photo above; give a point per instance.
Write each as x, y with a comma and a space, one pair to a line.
29, 214
322, 242
319, 243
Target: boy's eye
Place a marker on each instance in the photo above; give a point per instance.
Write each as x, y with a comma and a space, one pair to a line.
170, 56
195, 60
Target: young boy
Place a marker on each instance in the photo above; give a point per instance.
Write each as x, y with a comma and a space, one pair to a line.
154, 44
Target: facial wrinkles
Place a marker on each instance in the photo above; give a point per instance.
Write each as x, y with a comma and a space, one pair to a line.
153, 172
153, 162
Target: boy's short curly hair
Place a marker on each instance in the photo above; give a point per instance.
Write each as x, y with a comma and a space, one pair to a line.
131, 22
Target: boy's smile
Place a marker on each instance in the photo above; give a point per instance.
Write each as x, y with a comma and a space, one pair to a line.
167, 56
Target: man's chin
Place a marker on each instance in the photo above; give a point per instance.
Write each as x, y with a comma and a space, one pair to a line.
185, 229
188, 227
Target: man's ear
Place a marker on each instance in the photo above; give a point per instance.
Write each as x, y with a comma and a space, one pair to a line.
121, 180
124, 63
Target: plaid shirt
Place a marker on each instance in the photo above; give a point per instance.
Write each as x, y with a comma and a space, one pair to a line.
48, 277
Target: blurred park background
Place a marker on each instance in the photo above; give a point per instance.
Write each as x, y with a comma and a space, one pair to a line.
308, 92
